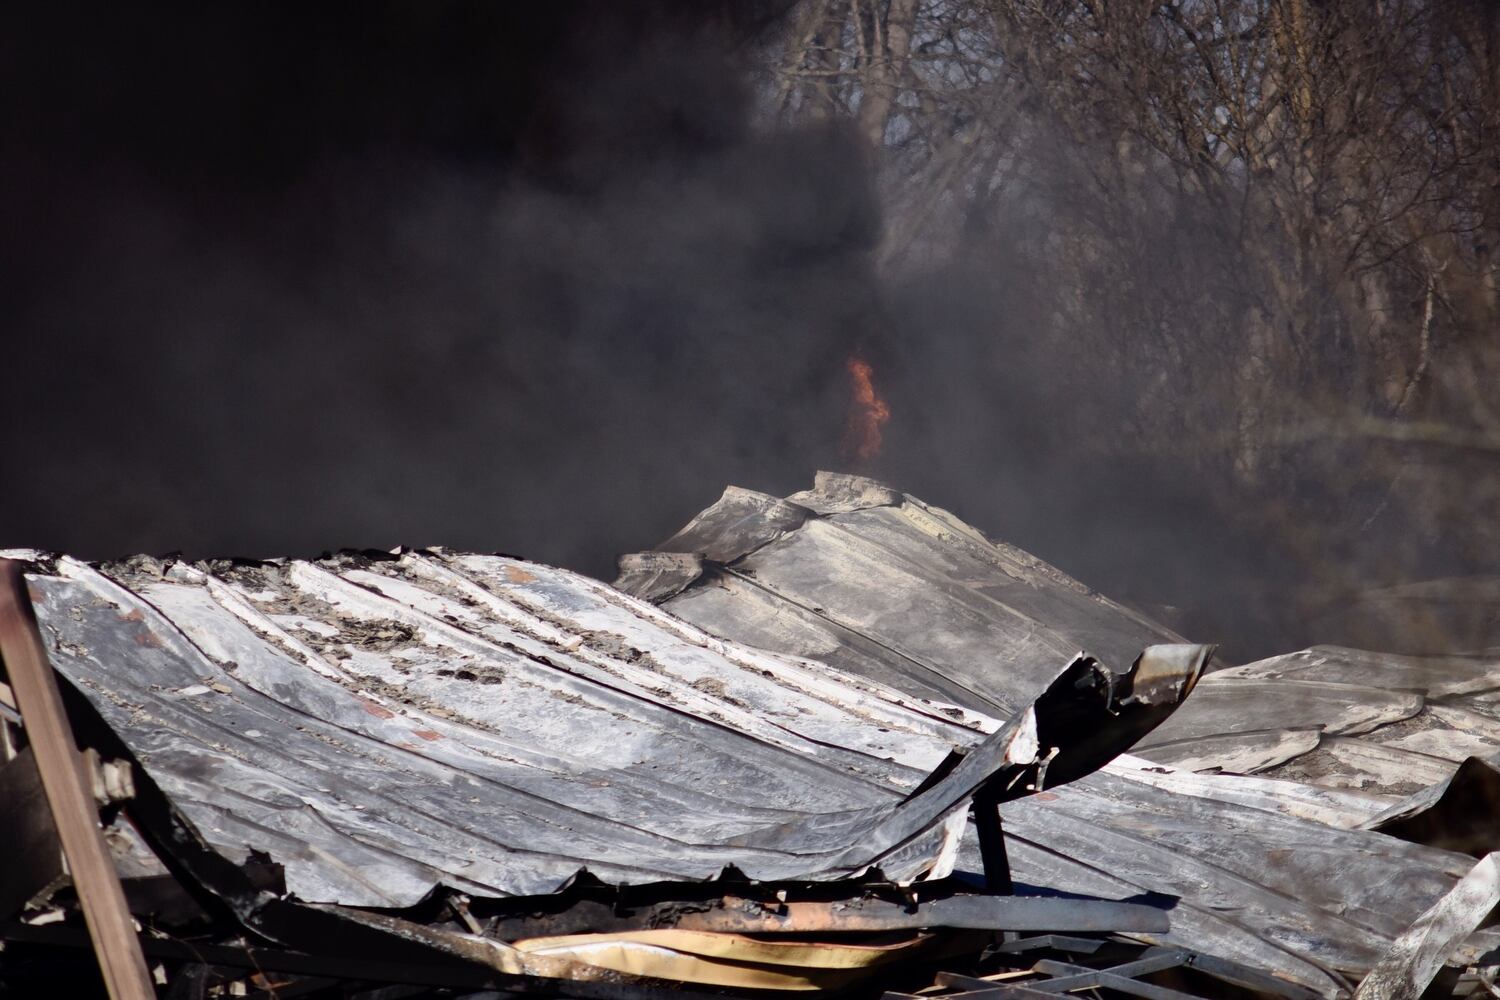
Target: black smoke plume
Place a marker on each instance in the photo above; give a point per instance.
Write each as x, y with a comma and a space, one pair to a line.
280, 278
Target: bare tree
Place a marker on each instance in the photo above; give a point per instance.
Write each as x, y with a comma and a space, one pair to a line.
1287, 208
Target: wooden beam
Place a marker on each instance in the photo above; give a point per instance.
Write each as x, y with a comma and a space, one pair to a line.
992, 844
68, 792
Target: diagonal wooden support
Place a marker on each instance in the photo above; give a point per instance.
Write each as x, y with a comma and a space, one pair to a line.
992, 843
68, 792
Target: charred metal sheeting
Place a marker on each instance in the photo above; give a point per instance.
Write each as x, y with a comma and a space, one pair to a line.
379, 973
380, 725
496, 774
1387, 723
839, 571
1416, 957
860, 915
1456, 814
330, 946
1053, 965
453, 738
764, 563
1273, 871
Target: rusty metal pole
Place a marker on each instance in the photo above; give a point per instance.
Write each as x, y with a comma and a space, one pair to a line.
39, 703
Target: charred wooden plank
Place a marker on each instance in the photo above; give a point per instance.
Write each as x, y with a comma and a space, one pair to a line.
992, 843
1057, 942
1120, 978
68, 791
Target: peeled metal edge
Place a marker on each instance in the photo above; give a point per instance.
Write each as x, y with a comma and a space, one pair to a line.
1170, 674
1417, 955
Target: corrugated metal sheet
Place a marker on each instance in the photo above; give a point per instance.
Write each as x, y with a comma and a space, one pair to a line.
889, 588
843, 572
383, 723
380, 724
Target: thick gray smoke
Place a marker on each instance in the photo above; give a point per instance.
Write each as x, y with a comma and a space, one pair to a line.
285, 279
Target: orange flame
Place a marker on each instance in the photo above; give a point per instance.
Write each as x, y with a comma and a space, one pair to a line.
868, 413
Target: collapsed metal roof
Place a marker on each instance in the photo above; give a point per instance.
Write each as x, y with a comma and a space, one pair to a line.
887, 587
1276, 873
804, 694
393, 728
382, 725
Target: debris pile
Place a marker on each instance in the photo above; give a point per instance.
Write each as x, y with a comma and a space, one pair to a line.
839, 741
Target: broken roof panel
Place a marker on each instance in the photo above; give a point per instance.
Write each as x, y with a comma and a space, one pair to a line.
842, 571
891, 588
380, 725
384, 723
770, 571
1433, 676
